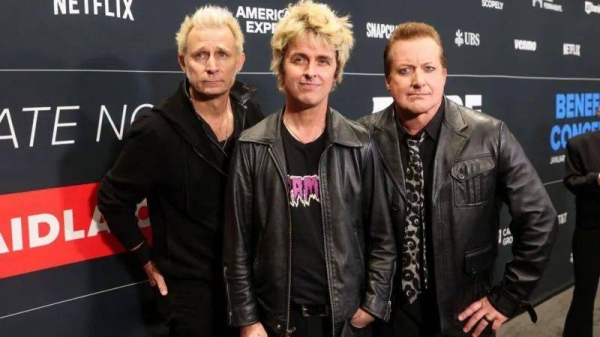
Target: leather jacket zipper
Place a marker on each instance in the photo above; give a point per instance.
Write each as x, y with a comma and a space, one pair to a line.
327, 257
288, 331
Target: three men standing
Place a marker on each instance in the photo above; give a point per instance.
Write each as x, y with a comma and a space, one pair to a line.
317, 204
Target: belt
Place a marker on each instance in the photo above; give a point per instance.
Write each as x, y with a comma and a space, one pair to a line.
312, 310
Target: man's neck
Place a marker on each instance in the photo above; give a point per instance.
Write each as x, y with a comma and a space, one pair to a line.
216, 112
210, 108
305, 118
415, 123
305, 124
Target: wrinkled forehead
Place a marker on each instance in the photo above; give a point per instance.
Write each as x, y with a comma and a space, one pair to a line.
220, 37
425, 48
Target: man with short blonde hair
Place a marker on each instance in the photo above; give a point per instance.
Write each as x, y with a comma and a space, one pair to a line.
177, 157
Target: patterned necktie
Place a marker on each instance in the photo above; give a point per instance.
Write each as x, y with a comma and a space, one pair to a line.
413, 250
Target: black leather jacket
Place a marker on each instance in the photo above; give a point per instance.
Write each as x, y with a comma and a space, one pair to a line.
360, 248
478, 165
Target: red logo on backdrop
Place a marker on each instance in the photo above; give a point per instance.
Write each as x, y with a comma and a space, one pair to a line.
49, 228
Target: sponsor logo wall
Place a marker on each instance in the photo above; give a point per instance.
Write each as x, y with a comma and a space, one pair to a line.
467, 38
571, 49
77, 73
499, 5
259, 20
591, 7
110, 8
548, 4
525, 45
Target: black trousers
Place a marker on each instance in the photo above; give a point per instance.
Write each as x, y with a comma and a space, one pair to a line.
418, 319
195, 308
320, 327
586, 263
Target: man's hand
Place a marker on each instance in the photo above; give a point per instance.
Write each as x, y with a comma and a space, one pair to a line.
361, 319
481, 312
155, 278
253, 330
598, 178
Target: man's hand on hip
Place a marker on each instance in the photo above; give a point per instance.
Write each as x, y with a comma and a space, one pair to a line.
155, 278
482, 314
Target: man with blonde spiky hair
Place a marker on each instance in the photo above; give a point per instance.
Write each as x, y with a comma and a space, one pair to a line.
309, 246
177, 157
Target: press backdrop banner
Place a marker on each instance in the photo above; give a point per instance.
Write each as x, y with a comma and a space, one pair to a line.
75, 73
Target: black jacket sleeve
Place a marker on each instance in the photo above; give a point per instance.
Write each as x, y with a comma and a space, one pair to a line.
241, 299
381, 257
534, 227
129, 182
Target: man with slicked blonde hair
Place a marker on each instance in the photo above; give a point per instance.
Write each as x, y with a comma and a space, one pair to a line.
309, 248
177, 157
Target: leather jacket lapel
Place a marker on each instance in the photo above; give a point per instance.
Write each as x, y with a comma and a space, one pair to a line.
386, 136
450, 142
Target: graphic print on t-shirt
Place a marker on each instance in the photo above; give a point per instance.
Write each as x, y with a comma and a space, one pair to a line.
303, 189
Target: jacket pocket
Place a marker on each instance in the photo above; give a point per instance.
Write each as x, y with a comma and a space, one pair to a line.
473, 180
478, 263
480, 259
476, 283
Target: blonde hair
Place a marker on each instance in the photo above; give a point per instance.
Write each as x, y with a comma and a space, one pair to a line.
408, 31
209, 16
313, 20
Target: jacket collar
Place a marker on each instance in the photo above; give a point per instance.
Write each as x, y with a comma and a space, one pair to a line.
450, 141
241, 93
453, 116
269, 131
385, 134
179, 112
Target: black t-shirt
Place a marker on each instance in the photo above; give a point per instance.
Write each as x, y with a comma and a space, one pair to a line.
309, 274
223, 149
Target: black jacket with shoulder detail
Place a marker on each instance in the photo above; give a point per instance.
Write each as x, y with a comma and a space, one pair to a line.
478, 165
360, 251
